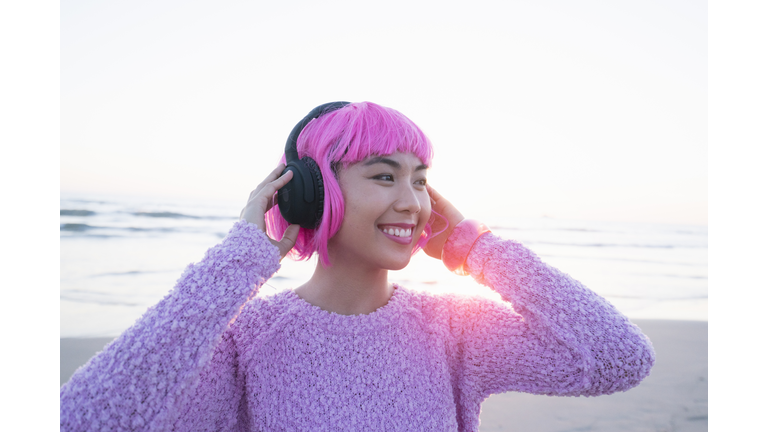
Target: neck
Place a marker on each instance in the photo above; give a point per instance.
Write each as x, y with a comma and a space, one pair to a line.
347, 288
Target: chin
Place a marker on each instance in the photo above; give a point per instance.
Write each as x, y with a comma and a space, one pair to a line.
399, 264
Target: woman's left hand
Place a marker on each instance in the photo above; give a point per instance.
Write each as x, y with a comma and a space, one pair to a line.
261, 200
434, 246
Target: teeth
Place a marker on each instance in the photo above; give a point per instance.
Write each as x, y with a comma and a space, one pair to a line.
397, 232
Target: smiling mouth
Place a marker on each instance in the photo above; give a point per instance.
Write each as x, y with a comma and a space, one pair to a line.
397, 234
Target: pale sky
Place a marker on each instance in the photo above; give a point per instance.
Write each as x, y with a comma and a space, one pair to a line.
583, 110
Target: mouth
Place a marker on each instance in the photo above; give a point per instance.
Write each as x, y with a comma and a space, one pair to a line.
399, 233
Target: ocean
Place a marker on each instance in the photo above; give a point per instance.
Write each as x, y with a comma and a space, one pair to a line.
120, 255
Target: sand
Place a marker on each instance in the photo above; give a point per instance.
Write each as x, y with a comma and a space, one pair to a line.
673, 398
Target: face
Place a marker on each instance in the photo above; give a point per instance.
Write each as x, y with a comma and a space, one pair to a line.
386, 207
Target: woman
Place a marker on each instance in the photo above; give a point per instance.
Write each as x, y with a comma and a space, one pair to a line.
348, 350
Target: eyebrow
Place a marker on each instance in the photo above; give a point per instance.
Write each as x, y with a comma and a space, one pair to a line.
390, 162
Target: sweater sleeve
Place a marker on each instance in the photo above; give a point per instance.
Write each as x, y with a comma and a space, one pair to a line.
178, 355
552, 336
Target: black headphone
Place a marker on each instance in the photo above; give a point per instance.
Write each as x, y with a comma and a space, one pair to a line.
301, 200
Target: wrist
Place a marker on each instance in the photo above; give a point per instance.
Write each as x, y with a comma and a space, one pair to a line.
459, 243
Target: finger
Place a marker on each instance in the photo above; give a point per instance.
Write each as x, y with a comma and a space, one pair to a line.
433, 192
289, 239
274, 175
275, 185
283, 180
433, 195
265, 199
272, 202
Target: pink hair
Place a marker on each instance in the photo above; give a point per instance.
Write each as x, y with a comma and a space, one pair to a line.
336, 140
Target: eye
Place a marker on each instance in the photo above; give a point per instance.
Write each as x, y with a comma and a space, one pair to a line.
384, 177
422, 182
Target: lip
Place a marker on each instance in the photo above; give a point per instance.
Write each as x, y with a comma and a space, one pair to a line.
399, 225
397, 239
401, 240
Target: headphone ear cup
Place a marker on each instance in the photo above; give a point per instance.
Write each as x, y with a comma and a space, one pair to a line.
301, 200
315, 208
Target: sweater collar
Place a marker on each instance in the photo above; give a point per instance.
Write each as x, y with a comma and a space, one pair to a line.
377, 320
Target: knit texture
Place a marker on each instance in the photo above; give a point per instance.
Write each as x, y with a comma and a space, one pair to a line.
209, 356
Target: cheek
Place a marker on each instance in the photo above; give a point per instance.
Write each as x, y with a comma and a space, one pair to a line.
426, 211
359, 215
426, 202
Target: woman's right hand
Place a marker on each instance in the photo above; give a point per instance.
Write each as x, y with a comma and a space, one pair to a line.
262, 199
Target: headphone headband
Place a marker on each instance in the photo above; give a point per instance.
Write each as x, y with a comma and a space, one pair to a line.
290, 145
301, 200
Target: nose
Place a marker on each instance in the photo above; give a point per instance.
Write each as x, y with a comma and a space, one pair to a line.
408, 200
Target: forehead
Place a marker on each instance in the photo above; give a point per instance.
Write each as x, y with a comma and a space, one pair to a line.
397, 160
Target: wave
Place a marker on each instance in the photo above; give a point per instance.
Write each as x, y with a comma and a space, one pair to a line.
173, 215
158, 229
77, 227
591, 258
161, 214
135, 272
628, 245
73, 212
90, 201
96, 298
670, 275
541, 228
686, 232
165, 215
693, 297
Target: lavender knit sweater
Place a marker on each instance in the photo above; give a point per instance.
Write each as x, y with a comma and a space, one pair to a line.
210, 357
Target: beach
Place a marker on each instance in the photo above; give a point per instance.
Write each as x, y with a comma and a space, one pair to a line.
673, 398
119, 256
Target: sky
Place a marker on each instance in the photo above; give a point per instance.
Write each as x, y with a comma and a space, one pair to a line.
593, 110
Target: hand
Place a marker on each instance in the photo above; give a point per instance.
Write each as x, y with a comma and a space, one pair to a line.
434, 246
262, 199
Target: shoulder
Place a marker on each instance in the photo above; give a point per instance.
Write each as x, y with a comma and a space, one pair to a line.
457, 310
260, 316
259, 310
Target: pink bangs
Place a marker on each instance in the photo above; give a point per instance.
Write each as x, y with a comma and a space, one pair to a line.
336, 140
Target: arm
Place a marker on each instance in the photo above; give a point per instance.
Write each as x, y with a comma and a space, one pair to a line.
554, 336
551, 336
143, 379
177, 365
219, 401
